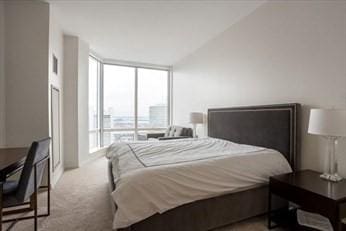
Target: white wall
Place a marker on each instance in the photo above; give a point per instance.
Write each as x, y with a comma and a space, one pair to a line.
2, 75
83, 107
56, 43
70, 102
26, 62
282, 52
76, 68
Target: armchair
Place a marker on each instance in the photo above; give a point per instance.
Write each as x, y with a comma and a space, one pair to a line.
172, 132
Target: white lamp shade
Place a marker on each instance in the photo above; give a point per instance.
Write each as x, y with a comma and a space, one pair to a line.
327, 122
196, 118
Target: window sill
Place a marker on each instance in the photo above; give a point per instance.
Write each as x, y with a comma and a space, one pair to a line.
97, 150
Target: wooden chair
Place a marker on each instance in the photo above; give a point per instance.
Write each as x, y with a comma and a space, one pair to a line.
24, 191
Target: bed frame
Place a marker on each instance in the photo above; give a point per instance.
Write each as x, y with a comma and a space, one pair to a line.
270, 126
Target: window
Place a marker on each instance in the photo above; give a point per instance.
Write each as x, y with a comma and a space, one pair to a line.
152, 98
126, 102
152, 101
118, 103
94, 86
135, 102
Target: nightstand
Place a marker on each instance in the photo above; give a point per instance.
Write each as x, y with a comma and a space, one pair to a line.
306, 189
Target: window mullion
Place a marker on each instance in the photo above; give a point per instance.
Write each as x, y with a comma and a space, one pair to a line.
136, 104
98, 134
169, 99
101, 95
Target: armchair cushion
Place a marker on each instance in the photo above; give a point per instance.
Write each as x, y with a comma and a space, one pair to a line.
9, 189
175, 131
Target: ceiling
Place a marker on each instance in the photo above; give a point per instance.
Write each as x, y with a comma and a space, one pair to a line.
156, 32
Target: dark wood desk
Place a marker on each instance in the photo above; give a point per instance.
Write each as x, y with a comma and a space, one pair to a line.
313, 194
11, 160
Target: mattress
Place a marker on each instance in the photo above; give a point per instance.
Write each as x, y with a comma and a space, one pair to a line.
153, 177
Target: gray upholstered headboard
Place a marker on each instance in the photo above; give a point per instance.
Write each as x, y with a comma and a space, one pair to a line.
270, 126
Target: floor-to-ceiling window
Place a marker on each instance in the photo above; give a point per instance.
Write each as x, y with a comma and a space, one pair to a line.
132, 101
118, 103
152, 101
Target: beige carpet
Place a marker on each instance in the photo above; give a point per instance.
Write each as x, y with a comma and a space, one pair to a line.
80, 201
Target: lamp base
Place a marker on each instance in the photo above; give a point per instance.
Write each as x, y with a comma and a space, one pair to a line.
331, 177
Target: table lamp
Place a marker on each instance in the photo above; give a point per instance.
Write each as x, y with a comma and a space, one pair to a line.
196, 118
330, 124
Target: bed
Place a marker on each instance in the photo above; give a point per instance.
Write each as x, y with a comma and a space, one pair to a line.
273, 127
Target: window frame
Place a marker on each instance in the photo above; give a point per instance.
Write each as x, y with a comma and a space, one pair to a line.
136, 66
96, 130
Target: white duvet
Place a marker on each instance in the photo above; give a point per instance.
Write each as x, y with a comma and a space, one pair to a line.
153, 177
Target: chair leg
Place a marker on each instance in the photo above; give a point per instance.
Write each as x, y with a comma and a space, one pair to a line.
1, 218
35, 197
1, 193
35, 211
32, 202
48, 188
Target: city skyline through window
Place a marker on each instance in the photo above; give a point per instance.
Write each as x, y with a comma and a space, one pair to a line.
135, 101
119, 95
152, 98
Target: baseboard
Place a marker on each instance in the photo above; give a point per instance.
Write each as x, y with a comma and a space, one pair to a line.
94, 155
56, 176
90, 157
